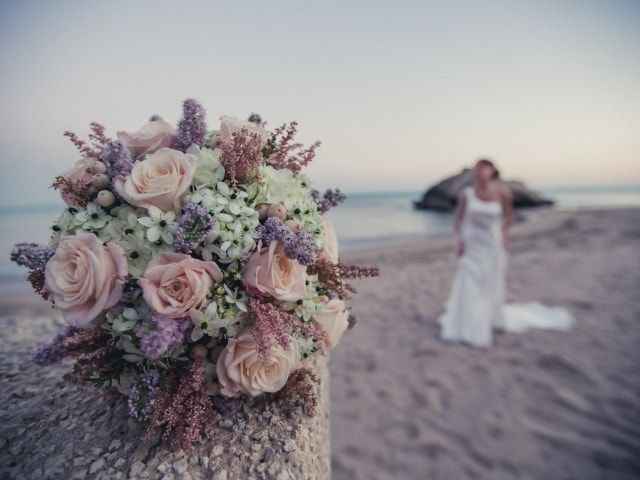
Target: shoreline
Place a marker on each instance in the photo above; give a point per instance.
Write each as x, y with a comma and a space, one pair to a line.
537, 222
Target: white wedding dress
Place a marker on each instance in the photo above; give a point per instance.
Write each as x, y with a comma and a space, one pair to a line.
476, 303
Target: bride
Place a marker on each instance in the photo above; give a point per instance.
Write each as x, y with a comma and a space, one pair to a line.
476, 303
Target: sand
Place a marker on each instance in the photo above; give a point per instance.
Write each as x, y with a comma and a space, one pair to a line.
537, 405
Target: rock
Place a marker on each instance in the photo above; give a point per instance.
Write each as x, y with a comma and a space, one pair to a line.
136, 468
104, 444
443, 196
289, 446
96, 466
180, 466
217, 451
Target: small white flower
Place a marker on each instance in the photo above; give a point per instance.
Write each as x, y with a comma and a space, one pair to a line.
92, 218
159, 224
207, 322
235, 298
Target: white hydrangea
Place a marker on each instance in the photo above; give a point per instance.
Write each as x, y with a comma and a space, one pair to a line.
294, 192
235, 220
226, 311
312, 302
92, 218
160, 225
126, 229
209, 169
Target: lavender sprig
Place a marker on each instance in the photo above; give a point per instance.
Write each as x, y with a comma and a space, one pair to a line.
192, 129
193, 226
142, 395
329, 199
299, 246
117, 158
54, 351
35, 258
168, 334
31, 255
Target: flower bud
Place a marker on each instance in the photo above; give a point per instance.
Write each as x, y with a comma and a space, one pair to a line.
295, 227
277, 210
100, 181
99, 167
105, 198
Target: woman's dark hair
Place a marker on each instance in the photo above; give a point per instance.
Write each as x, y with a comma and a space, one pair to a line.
488, 163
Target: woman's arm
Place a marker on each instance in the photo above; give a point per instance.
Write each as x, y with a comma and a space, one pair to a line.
457, 226
506, 198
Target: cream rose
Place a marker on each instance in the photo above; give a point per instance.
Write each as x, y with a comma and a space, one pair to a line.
154, 135
242, 369
334, 320
175, 283
330, 242
159, 180
270, 272
85, 277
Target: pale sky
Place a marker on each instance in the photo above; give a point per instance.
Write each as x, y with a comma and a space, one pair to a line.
401, 93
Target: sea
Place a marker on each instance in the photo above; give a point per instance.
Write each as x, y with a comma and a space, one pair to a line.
363, 220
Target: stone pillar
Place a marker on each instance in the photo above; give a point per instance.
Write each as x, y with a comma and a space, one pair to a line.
50, 429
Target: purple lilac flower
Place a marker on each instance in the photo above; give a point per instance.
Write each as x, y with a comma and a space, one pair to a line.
192, 129
193, 226
142, 395
329, 199
117, 158
168, 334
53, 352
35, 258
271, 230
299, 246
31, 255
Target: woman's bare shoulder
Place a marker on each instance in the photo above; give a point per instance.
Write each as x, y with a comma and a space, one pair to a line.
502, 190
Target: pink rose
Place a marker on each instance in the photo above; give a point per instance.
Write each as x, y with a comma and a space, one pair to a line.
85, 277
86, 175
334, 320
153, 135
241, 368
230, 125
175, 283
330, 242
270, 272
159, 180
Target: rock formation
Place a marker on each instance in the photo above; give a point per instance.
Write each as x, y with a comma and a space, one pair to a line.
53, 430
443, 196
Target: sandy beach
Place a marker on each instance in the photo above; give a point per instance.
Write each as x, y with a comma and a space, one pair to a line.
537, 405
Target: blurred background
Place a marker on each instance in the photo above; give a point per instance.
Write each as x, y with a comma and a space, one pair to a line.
402, 94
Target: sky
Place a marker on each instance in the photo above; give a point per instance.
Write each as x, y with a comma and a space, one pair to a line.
400, 93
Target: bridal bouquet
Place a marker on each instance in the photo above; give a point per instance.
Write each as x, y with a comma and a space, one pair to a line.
191, 264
